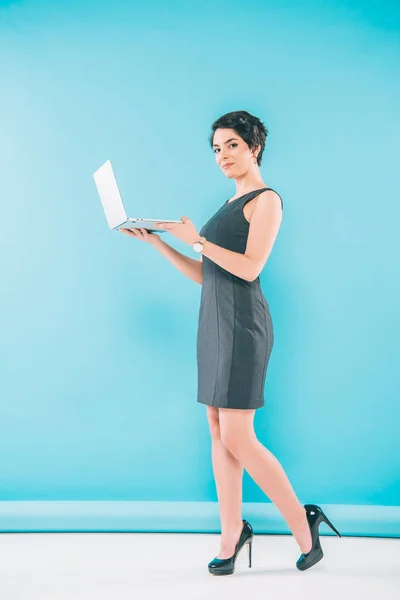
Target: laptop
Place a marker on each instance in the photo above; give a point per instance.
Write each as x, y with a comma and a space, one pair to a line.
113, 206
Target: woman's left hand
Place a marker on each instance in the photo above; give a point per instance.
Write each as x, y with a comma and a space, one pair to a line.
185, 231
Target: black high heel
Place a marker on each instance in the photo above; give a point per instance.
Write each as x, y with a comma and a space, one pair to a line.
226, 566
314, 516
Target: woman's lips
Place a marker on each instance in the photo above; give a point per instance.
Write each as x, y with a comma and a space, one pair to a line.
227, 166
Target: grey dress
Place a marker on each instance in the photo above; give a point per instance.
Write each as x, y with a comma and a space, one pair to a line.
235, 333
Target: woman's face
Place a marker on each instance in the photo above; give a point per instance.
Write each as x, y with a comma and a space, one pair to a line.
232, 153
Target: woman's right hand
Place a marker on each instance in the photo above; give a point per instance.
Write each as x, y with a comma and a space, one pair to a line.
142, 234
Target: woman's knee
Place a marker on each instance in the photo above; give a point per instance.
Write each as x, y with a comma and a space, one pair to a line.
236, 429
229, 440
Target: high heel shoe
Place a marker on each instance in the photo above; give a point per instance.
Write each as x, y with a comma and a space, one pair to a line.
314, 516
226, 566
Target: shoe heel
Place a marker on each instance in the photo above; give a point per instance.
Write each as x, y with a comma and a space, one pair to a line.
249, 545
327, 521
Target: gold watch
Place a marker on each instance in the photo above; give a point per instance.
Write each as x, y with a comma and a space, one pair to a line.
198, 246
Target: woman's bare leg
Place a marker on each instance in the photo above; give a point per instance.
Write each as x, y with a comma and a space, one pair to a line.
237, 434
228, 475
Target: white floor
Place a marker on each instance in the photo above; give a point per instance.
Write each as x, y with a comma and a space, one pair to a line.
86, 566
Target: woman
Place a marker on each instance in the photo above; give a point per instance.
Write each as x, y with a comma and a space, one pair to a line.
235, 338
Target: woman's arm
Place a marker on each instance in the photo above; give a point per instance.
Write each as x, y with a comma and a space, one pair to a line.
188, 266
263, 229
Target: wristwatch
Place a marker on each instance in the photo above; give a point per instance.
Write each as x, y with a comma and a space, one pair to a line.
198, 246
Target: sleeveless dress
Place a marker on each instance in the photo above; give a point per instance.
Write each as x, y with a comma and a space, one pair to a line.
235, 332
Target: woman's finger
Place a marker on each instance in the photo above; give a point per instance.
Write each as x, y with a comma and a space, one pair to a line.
136, 232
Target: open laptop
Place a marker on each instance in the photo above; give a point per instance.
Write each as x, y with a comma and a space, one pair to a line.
113, 206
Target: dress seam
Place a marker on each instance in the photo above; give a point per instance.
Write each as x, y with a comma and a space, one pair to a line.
234, 336
216, 302
217, 312
266, 356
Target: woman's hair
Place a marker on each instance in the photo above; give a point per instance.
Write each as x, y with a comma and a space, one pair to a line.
248, 127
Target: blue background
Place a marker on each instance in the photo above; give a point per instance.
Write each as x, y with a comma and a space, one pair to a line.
98, 330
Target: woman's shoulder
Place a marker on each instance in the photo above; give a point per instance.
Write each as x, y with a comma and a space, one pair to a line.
268, 191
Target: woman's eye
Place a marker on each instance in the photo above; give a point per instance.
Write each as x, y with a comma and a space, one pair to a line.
233, 144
